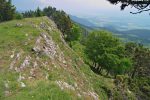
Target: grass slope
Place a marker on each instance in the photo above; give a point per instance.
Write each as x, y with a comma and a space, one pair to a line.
53, 72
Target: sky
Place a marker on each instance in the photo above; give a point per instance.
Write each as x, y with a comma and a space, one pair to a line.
74, 7
89, 9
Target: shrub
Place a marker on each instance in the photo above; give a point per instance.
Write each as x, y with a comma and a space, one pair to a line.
18, 16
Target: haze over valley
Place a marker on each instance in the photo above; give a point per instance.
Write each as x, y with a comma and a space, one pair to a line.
132, 28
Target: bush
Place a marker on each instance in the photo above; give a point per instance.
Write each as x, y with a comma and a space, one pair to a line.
18, 16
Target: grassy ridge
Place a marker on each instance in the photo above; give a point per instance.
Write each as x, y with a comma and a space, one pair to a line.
22, 39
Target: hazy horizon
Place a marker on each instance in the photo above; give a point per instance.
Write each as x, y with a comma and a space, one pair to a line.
101, 10
77, 7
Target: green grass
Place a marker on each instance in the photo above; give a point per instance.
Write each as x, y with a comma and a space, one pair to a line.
14, 38
43, 91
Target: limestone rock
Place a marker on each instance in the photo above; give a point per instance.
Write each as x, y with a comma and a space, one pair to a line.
35, 64
64, 85
18, 25
20, 78
22, 85
26, 62
12, 64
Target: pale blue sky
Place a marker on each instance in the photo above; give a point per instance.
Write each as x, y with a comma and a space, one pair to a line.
101, 9
75, 7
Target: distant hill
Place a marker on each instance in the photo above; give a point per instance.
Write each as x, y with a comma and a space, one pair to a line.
135, 35
82, 21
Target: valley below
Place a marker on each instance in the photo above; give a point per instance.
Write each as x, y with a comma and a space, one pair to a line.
122, 28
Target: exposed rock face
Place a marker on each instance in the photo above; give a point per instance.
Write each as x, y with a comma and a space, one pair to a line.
22, 85
25, 63
6, 84
46, 61
45, 45
43, 25
15, 60
64, 85
35, 64
20, 78
94, 95
19, 25
37, 47
50, 49
7, 92
13, 54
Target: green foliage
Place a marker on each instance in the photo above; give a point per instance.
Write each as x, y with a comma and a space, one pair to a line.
7, 10
75, 33
141, 87
38, 12
140, 56
106, 52
61, 19
43, 91
139, 82
125, 65
71, 32
29, 14
109, 62
18, 16
74, 36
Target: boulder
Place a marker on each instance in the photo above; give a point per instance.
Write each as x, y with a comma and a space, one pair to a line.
18, 25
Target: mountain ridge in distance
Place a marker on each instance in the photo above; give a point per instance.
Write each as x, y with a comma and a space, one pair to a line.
134, 35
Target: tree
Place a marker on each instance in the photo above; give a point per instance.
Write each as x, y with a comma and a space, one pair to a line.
29, 14
7, 10
140, 55
140, 5
61, 19
38, 12
18, 15
106, 52
74, 34
48, 11
109, 62
125, 65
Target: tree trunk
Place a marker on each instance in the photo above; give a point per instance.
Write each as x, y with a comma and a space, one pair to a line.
100, 69
107, 73
134, 71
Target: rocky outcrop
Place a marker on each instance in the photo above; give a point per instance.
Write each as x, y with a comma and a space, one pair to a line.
45, 45
12, 65
64, 85
49, 61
